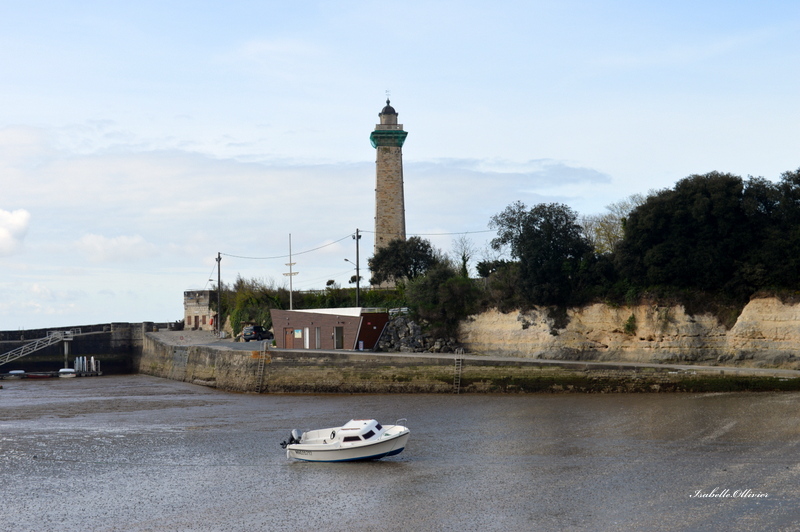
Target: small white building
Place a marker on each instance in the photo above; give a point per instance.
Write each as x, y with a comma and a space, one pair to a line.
197, 310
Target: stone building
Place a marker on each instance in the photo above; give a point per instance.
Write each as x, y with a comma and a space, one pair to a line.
390, 214
197, 310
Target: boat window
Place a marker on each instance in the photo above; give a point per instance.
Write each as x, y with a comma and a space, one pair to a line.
378, 426
351, 438
368, 435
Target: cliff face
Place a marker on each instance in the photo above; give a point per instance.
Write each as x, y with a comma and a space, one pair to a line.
767, 333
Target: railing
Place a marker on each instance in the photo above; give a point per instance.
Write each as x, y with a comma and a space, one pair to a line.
51, 338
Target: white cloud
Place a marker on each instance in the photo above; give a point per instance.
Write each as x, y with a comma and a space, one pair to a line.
13, 227
99, 248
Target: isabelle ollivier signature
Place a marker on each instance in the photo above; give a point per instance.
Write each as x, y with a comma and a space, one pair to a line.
726, 493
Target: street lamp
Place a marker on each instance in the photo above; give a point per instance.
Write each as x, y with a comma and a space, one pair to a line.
358, 282
357, 237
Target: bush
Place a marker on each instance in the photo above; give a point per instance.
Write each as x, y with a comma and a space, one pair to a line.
442, 298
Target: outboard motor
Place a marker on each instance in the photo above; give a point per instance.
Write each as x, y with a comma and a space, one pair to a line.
294, 437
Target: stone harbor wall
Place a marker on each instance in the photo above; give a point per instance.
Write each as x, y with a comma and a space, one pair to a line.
191, 359
218, 367
766, 334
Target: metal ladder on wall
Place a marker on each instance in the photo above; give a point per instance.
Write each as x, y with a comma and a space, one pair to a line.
459, 364
262, 362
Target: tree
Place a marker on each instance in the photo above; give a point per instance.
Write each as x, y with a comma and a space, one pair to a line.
250, 302
402, 260
780, 249
607, 230
464, 250
550, 246
486, 267
693, 236
442, 297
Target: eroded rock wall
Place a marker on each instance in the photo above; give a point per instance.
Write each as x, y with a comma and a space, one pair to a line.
767, 333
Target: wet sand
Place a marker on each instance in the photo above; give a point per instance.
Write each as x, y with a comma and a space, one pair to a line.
136, 453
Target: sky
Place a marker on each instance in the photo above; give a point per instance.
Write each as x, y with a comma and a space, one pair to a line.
139, 140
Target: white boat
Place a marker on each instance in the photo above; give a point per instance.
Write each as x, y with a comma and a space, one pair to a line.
358, 439
66, 372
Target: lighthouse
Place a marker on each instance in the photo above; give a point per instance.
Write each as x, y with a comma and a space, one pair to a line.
390, 211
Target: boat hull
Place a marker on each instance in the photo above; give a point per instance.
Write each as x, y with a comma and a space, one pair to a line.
371, 451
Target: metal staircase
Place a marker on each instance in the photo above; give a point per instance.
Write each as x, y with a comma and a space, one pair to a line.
53, 337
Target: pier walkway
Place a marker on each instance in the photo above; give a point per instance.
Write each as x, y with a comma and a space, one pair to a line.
53, 337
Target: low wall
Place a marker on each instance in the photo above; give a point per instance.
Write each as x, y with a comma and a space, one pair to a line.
314, 371
226, 369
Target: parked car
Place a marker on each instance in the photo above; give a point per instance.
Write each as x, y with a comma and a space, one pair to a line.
256, 332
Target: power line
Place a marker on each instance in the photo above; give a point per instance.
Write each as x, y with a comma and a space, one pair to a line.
293, 254
343, 238
208, 279
440, 234
306, 282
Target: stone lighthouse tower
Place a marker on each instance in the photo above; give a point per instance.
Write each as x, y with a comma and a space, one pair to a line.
390, 210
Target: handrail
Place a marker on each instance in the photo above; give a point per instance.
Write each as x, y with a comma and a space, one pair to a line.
35, 345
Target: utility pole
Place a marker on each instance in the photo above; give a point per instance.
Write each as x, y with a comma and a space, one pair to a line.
357, 237
291, 273
219, 293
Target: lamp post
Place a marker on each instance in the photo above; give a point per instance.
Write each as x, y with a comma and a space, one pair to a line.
357, 237
358, 295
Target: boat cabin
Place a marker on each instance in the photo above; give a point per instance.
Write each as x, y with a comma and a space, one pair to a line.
357, 430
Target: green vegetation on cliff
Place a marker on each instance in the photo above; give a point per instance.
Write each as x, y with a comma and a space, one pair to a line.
710, 243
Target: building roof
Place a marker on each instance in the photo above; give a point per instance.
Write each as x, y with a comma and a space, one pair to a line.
388, 110
344, 311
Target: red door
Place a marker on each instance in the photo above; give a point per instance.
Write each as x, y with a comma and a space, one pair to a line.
288, 338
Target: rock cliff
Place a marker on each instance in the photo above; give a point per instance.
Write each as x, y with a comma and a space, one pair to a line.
766, 334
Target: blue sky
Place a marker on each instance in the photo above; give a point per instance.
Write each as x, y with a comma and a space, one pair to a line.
139, 139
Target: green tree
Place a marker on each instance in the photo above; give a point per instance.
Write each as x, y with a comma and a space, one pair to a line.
250, 302
780, 249
442, 297
694, 235
550, 246
402, 260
